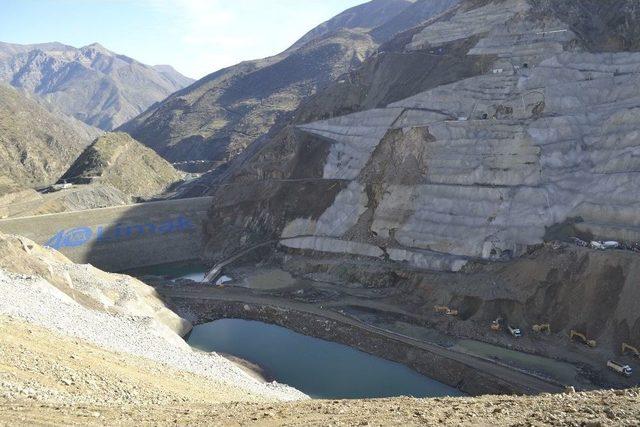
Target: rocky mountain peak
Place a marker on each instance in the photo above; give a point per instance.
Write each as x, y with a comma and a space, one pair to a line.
92, 84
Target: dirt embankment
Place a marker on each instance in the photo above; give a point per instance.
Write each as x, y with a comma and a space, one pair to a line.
116, 313
39, 366
568, 287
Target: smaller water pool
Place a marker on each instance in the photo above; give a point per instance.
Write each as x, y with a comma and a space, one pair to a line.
191, 271
319, 368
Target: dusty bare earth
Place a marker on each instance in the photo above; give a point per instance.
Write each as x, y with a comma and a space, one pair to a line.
49, 379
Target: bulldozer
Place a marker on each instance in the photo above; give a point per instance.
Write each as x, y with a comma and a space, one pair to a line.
545, 327
583, 338
631, 349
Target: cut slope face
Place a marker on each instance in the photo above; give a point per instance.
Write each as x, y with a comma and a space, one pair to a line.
36, 146
215, 119
119, 161
92, 84
489, 125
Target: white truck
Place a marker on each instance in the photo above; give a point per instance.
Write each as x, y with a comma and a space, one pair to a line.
515, 332
620, 368
60, 187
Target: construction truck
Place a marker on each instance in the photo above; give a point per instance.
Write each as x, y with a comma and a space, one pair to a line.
515, 332
631, 349
59, 187
496, 325
545, 327
583, 339
621, 369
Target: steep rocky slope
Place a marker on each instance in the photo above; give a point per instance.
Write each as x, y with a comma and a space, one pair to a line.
119, 161
36, 146
365, 16
219, 116
173, 75
476, 133
92, 84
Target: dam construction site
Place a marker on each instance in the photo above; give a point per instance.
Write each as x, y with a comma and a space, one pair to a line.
423, 212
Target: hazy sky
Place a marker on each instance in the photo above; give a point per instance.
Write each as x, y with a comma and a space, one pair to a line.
197, 37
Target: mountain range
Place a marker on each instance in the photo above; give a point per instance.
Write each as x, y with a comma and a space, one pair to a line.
215, 119
91, 84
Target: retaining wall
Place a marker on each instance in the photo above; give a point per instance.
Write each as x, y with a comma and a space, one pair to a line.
123, 237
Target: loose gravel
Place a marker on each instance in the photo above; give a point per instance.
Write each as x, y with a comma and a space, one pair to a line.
35, 300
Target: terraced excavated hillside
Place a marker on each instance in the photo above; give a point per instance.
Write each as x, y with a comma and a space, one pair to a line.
472, 138
218, 117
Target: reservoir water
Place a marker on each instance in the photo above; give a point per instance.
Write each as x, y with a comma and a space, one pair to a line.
319, 368
180, 270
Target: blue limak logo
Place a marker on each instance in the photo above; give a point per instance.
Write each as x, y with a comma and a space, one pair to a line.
80, 236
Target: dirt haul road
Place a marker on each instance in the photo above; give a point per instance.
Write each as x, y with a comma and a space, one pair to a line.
521, 380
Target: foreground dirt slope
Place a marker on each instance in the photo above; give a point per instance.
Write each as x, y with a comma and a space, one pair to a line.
49, 379
112, 311
41, 366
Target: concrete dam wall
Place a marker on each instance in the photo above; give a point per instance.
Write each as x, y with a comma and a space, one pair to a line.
123, 237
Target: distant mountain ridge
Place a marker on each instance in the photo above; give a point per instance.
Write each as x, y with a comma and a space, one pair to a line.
216, 118
92, 84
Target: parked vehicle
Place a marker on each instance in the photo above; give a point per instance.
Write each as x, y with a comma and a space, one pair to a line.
515, 332
621, 369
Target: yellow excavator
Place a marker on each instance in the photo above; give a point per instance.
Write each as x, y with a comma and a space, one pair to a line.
496, 325
544, 328
583, 338
631, 349
445, 310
